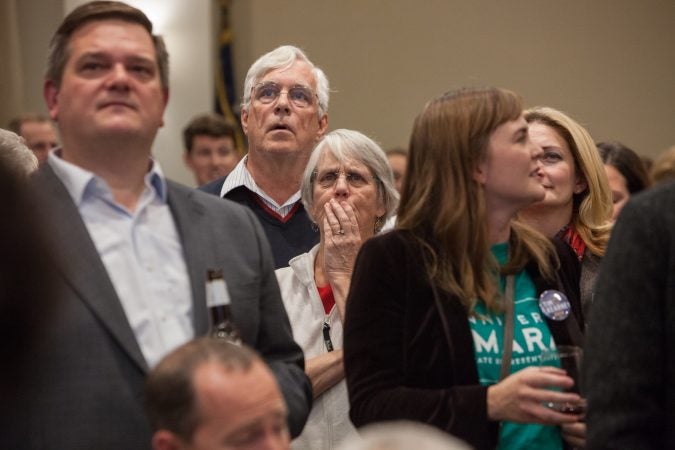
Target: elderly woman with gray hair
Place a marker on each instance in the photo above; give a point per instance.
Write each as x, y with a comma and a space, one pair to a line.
348, 191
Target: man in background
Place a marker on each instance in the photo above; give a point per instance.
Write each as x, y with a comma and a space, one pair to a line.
398, 161
210, 394
210, 149
38, 132
284, 114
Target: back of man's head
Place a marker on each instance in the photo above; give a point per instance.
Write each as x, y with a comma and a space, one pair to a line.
170, 396
402, 435
210, 390
97, 11
15, 155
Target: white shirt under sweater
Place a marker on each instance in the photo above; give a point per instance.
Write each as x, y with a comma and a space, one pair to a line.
240, 176
142, 253
328, 423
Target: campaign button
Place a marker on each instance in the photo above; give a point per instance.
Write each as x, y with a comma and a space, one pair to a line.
554, 305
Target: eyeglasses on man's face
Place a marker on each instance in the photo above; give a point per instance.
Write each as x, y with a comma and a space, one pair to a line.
355, 179
269, 92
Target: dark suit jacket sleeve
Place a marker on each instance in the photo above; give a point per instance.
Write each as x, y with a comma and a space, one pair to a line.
626, 362
275, 341
397, 363
213, 187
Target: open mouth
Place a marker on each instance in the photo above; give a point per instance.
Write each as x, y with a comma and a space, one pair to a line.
280, 126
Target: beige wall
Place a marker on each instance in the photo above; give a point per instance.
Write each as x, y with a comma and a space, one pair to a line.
24, 35
608, 63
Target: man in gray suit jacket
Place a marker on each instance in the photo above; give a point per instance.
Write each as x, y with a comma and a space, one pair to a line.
134, 247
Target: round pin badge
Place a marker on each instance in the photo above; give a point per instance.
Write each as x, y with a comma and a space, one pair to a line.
554, 305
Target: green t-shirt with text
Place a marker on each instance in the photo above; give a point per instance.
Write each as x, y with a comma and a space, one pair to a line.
530, 336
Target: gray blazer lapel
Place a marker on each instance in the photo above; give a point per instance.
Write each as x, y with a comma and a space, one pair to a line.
81, 264
189, 215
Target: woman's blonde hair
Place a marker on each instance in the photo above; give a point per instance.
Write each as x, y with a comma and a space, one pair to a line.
444, 207
592, 211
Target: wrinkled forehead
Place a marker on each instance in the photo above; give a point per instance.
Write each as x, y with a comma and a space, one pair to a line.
298, 73
335, 161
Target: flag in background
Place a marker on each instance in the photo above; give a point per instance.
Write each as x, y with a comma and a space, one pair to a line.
226, 102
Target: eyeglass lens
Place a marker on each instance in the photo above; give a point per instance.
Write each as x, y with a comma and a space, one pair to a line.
300, 96
354, 179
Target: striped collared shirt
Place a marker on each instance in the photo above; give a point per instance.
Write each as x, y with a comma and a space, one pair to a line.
240, 176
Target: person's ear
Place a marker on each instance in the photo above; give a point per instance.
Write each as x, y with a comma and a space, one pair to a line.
51, 94
480, 173
323, 126
165, 100
244, 121
580, 184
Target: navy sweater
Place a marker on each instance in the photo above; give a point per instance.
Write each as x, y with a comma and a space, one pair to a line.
288, 237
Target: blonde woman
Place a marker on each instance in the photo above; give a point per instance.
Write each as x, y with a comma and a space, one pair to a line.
577, 206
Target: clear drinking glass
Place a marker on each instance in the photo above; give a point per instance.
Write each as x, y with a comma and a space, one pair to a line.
568, 358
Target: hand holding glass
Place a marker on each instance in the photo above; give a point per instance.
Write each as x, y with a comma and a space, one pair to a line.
568, 358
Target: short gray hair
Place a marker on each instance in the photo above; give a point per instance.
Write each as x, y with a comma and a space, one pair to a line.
282, 58
15, 155
352, 145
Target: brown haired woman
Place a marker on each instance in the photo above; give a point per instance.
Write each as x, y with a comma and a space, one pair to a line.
426, 318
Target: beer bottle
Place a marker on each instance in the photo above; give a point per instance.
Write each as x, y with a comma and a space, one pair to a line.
220, 309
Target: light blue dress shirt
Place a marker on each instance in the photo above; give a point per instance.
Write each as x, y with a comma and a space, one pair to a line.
142, 253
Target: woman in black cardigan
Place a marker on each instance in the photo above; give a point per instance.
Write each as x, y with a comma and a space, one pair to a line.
425, 315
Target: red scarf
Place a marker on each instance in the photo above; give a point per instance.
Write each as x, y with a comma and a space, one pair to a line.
571, 237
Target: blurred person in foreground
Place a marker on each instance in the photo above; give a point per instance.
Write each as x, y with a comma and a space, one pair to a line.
429, 301
626, 173
134, 247
15, 155
629, 363
348, 192
210, 148
39, 133
577, 206
27, 275
402, 435
210, 394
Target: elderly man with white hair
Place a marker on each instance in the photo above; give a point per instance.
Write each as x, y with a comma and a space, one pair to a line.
284, 114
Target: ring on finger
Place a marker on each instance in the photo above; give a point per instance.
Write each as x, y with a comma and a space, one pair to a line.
341, 231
